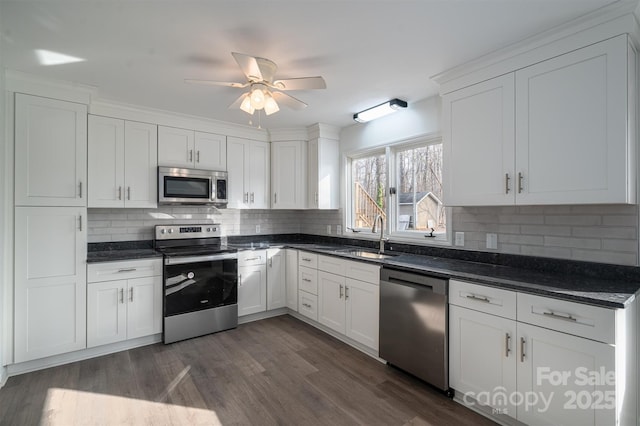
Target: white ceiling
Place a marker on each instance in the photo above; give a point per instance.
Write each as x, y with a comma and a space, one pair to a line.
139, 51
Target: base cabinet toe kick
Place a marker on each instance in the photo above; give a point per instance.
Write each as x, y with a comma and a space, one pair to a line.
538, 360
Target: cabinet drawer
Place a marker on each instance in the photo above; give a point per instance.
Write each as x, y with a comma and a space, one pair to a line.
308, 280
308, 259
123, 270
481, 298
308, 305
588, 321
362, 271
252, 257
331, 264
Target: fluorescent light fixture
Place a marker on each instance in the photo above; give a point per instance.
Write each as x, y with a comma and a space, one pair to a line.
47, 57
379, 110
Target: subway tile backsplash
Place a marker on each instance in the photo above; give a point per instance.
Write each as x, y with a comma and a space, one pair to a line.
594, 233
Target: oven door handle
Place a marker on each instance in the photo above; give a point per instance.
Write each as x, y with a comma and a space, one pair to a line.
196, 259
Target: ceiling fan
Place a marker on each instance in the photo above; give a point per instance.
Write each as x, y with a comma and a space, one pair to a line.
265, 92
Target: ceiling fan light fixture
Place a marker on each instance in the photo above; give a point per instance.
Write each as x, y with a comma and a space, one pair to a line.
257, 98
270, 105
378, 111
246, 105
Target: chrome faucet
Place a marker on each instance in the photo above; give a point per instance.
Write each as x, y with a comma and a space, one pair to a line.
373, 229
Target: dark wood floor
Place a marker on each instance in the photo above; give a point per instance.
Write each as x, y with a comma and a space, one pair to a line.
279, 371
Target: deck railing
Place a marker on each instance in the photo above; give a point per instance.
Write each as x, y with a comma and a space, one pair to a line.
366, 208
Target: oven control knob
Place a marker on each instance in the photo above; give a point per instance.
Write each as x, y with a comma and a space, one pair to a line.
162, 231
170, 230
209, 229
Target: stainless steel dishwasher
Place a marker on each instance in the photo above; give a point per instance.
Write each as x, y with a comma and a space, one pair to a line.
413, 325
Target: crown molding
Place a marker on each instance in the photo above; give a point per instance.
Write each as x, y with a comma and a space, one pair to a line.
609, 21
21, 82
326, 131
291, 134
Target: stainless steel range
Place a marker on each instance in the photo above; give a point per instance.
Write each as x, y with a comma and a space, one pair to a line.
200, 281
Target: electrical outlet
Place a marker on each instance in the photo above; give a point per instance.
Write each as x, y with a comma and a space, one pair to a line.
460, 239
492, 241
328, 229
339, 229
257, 229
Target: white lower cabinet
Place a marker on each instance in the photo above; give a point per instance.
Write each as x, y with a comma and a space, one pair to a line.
276, 284
50, 281
291, 278
528, 370
126, 308
346, 305
252, 282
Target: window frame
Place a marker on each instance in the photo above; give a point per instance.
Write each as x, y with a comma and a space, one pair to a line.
391, 226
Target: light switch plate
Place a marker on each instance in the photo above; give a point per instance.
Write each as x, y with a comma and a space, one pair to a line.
339, 229
257, 229
460, 239
492, 241
328, 229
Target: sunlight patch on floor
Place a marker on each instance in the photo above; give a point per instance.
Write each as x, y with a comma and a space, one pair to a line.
73, 407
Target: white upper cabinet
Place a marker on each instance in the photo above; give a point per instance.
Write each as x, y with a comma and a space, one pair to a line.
122, 163
323, 174
571, 128
288, 179
192, 150
557, 132
50, 152
248, 165
479, 143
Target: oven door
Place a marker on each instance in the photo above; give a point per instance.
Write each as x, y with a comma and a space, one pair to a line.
200, 282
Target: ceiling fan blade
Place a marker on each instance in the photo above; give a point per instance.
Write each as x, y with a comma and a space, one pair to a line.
238, 102
301, 83
216, 83
289, 101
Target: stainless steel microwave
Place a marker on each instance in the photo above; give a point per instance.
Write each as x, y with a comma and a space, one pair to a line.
192, 187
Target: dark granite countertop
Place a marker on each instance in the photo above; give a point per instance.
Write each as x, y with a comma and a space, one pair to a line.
602, 285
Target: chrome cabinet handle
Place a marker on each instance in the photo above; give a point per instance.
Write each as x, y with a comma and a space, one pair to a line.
346, 292
252, 197
197, 156
506, 183
522, 349
119, 193
507, 340
567, 317
520, 179
341, 292
252, 258
246, 197
131, 294
240, 280
129, 193
80, 188
306, 259
271, 262
122, 295
190, 155
127, 270
306, 280
478, 298
316, 198
306, 305
80, 220
275, 198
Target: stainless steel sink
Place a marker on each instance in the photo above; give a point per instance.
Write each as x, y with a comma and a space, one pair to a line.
366, 254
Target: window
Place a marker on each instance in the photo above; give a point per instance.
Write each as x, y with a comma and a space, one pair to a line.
403, 184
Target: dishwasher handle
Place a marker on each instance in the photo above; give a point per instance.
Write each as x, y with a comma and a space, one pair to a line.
426, 282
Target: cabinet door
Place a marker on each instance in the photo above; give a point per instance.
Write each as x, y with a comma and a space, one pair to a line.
252, 290
210, 151
482, 355
50, 152
323, 161
571, 141
257, 175
478, 140
106, 313
105, 162
554, 365
144, 306
288, 184
363, 312
276, 286
50, 281
141, 165
175, 147
237, 194
291, 278
331, 301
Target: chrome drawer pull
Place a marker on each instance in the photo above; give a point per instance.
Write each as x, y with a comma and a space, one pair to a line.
121, 295
478, 298
306, 259
306, 280
567, 317
507, 339
522, 341
506, 183
127, 270
306, 305
252, 258
341, 291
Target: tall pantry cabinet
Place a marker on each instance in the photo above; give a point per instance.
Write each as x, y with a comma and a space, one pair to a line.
50, 227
